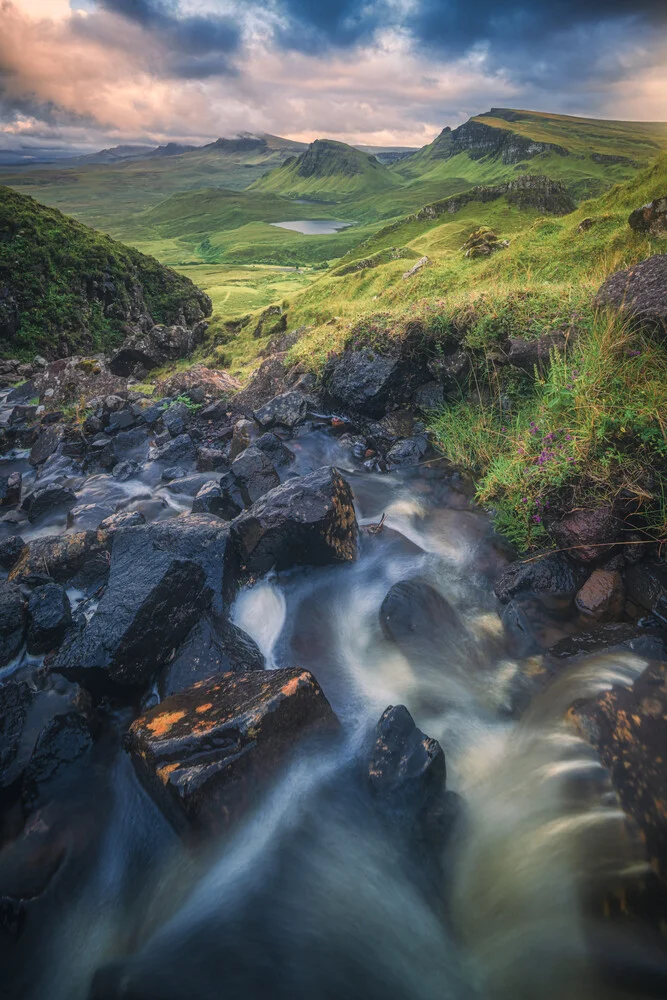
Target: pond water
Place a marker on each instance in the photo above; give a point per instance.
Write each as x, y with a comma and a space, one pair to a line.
314, 227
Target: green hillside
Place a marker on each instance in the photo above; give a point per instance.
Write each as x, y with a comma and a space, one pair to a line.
65, 287
329, 171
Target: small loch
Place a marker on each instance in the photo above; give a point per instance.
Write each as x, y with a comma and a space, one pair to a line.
314, 227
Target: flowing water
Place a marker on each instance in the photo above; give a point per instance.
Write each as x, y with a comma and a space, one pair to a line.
310, 897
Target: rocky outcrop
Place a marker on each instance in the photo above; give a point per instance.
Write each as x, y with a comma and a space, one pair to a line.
62, 558
639, 293
147, 350
307, 521
651, 219
483, 243
204, 754
528, 191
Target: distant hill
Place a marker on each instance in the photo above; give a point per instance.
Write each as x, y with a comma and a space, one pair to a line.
66, 288
328, 171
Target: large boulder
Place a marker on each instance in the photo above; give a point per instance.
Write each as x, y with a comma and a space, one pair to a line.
588, 534
361, 381
639, 292
155, 348
13, 619
420, 621
48, 500
205, 754
213, 646
49, 617
163, 577
628, 728
10, 549
62, 557
46, 444
650, 219
254, 473
552, 574
306, 521
286, 410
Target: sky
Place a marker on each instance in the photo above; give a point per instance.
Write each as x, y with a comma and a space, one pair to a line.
87, 74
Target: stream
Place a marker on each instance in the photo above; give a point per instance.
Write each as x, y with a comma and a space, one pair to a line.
310, 898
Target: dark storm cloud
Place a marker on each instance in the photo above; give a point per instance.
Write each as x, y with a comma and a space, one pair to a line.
308, 26
199, 45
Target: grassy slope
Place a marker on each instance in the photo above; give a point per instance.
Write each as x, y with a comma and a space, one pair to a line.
70, 285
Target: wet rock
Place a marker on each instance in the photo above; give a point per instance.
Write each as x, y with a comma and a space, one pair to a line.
22, 414
628, 728
210, 500
93, 425
206, 753
47, 444
286, 410
174, 472
87, 516
47, 500
409, 451
360, 380
610, 637
406, 774
31, 752
430, 396
646, 584
153, 349
13, 621
176, 418
602, 596
640, 293
254, 474
211, 647
551, 574
10, 550
49, 617
124, 519
125, 470
276, 450
306, 521
190, 485
650, 219
148, 608
588, 534
232, 502
10, 489
62, 742
241, 437
420, 621
536, 353
63, 557
179, 449
211, 459
121, 420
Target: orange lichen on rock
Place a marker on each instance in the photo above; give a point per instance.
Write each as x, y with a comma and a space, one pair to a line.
161, 724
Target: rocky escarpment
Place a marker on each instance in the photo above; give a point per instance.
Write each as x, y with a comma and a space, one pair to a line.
528, 191
65, 288
478, 140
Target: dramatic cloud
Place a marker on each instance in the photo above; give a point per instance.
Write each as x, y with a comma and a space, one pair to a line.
96, 72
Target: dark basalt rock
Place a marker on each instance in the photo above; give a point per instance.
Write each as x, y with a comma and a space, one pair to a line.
176, 418
640, 293
646, 585
211, 459
650, 219
162, 579
10, 489
307, 521
47, 500
286, 410
179, 449
276, 450
10, 550
211, 500
211, 647
420, 621
588, 533
88, 516
409, 451
613, 636
61, 743
406, 774
254, 474
190, 485
121, 420
62, 557
552, 574
628, 728
360, 380
205, 754
159, 345
50, 616
125, 470
13, 620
